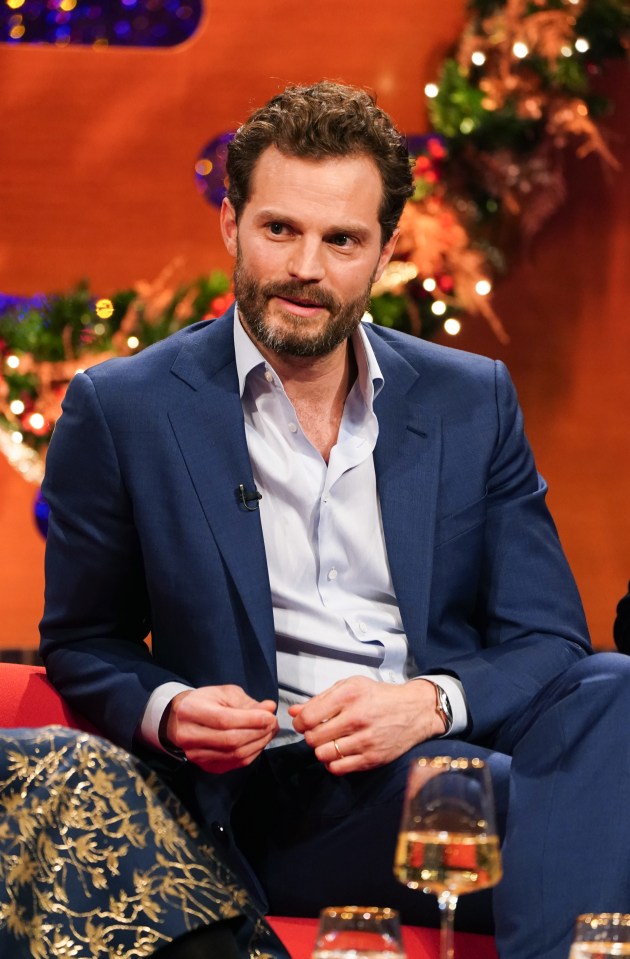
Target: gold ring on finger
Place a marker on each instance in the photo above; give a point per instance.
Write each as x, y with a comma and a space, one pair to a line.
340, 755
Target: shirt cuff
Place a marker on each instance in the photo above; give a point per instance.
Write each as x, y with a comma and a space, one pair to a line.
149, 730
457, 698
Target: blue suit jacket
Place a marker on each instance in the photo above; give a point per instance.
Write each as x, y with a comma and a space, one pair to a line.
147, 533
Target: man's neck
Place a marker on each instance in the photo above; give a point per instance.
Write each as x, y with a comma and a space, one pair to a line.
318, 388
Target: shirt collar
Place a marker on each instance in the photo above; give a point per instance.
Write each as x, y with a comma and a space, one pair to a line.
249, 358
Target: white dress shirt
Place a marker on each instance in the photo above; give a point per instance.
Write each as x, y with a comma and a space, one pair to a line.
335, 611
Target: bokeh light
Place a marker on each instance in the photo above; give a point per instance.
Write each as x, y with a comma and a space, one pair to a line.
210, 169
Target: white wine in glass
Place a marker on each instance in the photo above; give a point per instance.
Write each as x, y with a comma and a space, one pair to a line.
448, 843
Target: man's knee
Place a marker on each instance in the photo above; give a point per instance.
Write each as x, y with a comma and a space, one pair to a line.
605, 670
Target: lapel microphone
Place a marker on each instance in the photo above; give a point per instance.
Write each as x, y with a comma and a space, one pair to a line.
248, 496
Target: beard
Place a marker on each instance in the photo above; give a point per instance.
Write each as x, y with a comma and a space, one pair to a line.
293, 336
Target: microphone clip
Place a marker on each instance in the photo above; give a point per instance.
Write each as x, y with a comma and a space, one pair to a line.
247, 496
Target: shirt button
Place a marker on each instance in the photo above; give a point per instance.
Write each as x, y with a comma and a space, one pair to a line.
325, 500
269, 376
391, 675
332, 573
363, 627
293, 427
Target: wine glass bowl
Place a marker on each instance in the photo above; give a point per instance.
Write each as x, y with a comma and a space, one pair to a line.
448, 843
601, 935
358, 932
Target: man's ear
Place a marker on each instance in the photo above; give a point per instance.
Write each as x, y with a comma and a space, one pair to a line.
229, 228
386, 254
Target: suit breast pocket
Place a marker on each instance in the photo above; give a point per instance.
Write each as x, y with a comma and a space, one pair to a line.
463, 521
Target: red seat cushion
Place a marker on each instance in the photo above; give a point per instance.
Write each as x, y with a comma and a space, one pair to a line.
27, 699
298, 935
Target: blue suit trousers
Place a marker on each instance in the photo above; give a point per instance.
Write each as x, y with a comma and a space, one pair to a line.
561, 776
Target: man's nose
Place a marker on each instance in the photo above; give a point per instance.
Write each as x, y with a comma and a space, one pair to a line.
305, 261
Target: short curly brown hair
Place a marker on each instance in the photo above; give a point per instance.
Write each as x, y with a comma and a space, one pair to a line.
324, 120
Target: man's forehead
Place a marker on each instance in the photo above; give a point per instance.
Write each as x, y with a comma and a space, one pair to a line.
351, 180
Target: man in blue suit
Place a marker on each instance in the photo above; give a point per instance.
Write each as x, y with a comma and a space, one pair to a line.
338, 540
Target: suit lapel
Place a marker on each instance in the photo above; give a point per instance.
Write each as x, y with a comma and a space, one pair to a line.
406, 459
208, 425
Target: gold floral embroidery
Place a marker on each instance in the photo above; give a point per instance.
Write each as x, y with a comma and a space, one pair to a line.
97, 857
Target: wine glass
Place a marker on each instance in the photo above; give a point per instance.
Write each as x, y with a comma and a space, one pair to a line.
358, 932
448, 843
601, 936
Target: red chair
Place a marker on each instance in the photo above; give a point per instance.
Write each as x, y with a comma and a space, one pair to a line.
28, 700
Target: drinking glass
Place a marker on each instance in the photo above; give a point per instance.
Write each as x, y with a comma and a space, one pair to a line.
448, 843
601, 936
358, 932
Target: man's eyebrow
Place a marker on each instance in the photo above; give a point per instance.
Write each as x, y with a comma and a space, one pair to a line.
274, 215
359, 230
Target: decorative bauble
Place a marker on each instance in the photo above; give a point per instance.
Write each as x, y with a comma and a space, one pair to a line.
41, 511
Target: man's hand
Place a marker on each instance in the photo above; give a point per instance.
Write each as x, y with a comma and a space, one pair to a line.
371, 723
221, 727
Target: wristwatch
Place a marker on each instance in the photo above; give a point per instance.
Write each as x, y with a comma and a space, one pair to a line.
443, 708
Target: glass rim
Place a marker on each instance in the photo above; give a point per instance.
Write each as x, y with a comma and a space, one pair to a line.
450, 762
616, 918
384, 912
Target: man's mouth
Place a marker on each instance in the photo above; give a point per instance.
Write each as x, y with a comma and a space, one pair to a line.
299, 305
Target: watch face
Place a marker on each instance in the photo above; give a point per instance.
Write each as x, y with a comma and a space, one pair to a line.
446, 703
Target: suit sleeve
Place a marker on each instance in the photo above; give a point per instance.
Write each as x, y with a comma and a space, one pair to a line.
96, 617
526, 612
621, 628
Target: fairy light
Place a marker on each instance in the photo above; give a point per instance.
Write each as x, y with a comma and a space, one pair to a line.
13, 361
429, 284
16, 437
483, 287
452, 326
467, 125
36, 421
566, 51
17, 407
104, 308
478, 58
431, 90
582, 45
133, 342
520, 49
438, 307
204, 167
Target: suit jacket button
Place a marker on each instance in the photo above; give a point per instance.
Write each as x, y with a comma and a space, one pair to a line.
219, 832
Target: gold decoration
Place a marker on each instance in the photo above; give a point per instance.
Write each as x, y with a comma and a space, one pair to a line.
97, 857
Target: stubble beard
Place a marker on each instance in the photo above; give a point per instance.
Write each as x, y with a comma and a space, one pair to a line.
294, 337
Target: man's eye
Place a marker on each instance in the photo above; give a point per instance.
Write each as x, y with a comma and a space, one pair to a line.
342, 240
277, 229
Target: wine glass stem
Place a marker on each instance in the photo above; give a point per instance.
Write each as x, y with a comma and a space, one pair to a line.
447, 902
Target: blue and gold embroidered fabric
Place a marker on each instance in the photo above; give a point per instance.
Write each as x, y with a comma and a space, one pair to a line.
99, 859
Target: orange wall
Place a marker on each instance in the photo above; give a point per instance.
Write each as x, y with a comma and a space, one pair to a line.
96, 180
